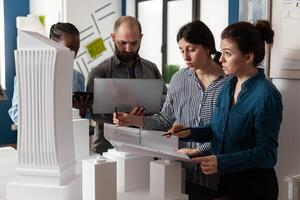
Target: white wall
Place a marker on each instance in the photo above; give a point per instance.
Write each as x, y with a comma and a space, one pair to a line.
94, 20
2, 46
289, 137
52, 11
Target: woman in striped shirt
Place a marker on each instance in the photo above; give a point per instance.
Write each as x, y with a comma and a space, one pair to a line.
190, 101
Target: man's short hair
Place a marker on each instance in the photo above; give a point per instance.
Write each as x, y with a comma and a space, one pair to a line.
129, 20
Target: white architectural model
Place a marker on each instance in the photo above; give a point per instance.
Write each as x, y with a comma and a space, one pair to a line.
138, 176
46, 161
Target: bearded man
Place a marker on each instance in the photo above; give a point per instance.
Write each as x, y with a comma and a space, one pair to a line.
125, 63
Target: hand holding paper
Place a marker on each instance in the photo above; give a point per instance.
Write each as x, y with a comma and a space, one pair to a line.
192, 153
209, 164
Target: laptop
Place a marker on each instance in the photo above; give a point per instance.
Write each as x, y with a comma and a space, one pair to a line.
127, 93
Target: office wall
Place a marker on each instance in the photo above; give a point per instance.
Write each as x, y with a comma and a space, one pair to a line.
11, 11
289, 137
52, 11
94, 21
285, 46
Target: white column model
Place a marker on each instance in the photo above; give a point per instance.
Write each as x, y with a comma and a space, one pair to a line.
133, 170
45, 148
81, 139
165, 180
99, 179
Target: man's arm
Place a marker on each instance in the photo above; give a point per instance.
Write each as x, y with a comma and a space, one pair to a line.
13, 111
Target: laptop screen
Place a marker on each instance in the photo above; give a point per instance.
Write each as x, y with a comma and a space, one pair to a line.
127, 93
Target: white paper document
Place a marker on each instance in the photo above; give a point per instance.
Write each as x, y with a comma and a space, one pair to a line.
143, 142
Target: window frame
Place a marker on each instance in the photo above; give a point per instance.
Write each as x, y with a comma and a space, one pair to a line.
164, 45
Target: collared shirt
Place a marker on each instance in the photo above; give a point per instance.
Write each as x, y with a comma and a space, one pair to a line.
189, 104
114, 68
245, 136
78, 86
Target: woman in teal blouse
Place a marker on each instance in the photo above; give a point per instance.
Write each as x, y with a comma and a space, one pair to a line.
245, 125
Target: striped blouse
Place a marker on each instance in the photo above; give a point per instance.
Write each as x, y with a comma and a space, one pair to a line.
188, 104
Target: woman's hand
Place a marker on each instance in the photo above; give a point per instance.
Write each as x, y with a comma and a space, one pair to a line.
179, 130
190, 152
124, 119
209, 164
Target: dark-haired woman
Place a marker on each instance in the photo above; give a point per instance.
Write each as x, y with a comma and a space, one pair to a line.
245, 125
190, 100
68, 35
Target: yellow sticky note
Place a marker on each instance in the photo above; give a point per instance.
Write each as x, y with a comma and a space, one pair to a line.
96, 47
42, 19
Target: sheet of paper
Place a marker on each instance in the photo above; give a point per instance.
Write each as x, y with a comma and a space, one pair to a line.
143, 142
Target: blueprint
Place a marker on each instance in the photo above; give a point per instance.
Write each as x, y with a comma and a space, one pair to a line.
143, 142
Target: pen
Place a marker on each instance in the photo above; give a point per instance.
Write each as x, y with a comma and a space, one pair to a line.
165, 134
116, 111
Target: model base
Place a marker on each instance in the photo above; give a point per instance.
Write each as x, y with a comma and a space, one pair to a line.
20, 191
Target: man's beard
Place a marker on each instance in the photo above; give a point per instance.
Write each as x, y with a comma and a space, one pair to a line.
126, 57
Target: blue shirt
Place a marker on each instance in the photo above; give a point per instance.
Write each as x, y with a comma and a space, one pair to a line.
245, 135
78, 86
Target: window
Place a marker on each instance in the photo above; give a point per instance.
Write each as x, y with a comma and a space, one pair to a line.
174, 22
161, 20
218, 21
150, 17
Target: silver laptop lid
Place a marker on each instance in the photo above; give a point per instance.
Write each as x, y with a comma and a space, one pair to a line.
127, 93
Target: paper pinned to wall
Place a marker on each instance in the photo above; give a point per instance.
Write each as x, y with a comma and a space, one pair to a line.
285, 51
96, 48
290, 46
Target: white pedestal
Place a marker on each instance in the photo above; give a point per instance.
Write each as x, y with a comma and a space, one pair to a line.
144, 194
81, 139
165, 180
132, 170
8, 160
99, 179
70, 191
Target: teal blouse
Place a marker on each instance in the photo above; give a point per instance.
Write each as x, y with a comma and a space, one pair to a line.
244, 136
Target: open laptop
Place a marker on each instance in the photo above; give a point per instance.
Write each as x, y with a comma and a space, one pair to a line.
127, 93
